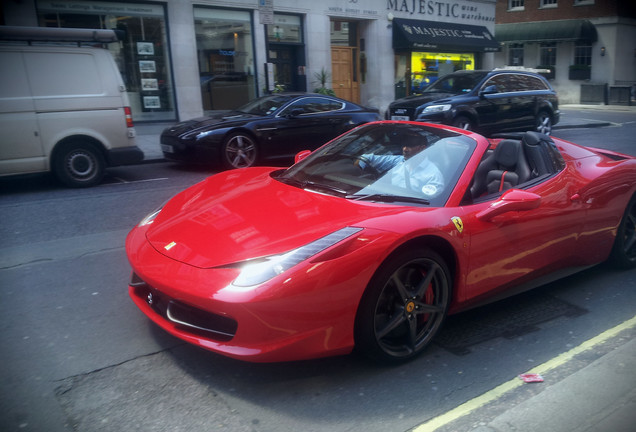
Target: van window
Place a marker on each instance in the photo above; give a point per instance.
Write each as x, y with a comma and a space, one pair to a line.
61, 74
14, 83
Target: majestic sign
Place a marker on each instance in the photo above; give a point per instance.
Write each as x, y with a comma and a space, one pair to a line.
452, 10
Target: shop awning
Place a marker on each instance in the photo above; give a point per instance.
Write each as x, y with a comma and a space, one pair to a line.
547, 31
441, 36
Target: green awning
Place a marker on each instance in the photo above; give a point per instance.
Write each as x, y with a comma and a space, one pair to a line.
547, 31
441, 36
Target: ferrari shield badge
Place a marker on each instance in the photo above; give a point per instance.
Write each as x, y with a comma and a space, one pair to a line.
458, 223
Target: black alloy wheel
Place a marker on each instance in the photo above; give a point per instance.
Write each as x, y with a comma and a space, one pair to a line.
543, 123
239, 151
624, 250
404, 306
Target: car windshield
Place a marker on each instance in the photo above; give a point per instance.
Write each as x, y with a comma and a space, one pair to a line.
456, 83
265, 105
392, 162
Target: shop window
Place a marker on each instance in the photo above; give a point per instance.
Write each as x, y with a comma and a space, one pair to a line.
548, 52
142, 56
286, 29
226, 57
515, 55
426, 67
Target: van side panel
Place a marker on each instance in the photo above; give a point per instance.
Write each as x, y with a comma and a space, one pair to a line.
20, 146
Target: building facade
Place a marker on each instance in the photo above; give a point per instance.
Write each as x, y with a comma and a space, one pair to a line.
183, 58
588, 45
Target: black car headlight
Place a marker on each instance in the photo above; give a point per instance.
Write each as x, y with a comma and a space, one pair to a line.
257, 272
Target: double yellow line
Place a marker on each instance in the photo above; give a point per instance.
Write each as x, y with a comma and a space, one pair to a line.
473, 404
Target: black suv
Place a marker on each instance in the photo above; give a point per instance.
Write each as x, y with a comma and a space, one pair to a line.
484, 101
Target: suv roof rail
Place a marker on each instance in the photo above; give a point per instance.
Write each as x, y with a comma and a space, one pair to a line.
57, 34
523, 69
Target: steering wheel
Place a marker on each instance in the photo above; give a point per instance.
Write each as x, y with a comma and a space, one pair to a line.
368, 167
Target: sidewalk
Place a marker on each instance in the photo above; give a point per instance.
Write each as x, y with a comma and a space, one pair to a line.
591, 388
148, 134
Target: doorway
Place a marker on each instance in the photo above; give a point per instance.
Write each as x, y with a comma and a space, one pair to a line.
344, 56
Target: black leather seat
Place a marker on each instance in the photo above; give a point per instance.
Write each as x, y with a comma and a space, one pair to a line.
505, 168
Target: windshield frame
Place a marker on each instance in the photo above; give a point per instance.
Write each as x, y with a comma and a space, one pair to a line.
336, 168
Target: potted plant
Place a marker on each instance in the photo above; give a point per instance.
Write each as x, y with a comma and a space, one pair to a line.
322, 78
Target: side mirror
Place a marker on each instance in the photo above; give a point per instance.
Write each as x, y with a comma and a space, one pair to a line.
491, 89
302, 155
511, 200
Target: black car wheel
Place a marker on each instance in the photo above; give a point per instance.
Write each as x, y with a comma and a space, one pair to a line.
403, 307
239, 151
463, 122
624, 251
543, 123
79, 164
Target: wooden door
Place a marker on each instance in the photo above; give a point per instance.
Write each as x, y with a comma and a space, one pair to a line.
343, 81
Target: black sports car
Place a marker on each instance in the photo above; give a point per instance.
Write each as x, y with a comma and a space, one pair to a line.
270, 128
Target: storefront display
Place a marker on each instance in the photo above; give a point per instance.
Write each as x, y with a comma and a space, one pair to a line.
226, 57
142, 56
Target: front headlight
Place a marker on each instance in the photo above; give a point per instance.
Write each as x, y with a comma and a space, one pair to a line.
256, 273
436, 109
150, 218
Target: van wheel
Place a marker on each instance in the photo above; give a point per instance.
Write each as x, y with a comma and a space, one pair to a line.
79, 164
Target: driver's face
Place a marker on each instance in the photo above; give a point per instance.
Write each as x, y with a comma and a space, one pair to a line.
410, 151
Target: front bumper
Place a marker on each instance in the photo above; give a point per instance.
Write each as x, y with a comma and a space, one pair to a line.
307, 312
125, 156
191, 152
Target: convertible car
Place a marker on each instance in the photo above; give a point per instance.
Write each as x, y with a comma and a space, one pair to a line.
372, 239
268, 129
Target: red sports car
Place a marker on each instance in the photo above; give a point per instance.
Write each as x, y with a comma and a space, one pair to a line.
371, 240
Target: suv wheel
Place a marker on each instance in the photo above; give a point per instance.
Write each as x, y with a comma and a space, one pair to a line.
463, 122
543, 123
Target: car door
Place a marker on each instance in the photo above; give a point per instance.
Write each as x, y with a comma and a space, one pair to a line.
518, 246
523, 95
494, 108
21, 148
308, 123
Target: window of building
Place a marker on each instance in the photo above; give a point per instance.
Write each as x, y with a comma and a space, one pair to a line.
142, 57
583, 53
516, 4
226, 57
549, 3
515, 54
548, 53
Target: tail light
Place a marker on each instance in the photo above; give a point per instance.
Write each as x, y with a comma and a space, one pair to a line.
129, 120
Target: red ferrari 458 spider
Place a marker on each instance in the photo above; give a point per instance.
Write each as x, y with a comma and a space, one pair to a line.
371, 240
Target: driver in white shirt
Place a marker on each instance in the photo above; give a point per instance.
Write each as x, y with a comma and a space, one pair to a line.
418, 174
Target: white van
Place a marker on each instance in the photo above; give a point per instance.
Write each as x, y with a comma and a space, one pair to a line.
63, 105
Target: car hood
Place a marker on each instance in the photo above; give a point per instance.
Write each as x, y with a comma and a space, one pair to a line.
417, 100
243, 214
196, 125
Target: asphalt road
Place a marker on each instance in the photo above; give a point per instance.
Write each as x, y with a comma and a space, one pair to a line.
78, 355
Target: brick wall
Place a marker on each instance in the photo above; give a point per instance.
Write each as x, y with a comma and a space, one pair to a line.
565, 9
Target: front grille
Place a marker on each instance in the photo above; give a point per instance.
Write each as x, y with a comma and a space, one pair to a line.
187, 317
